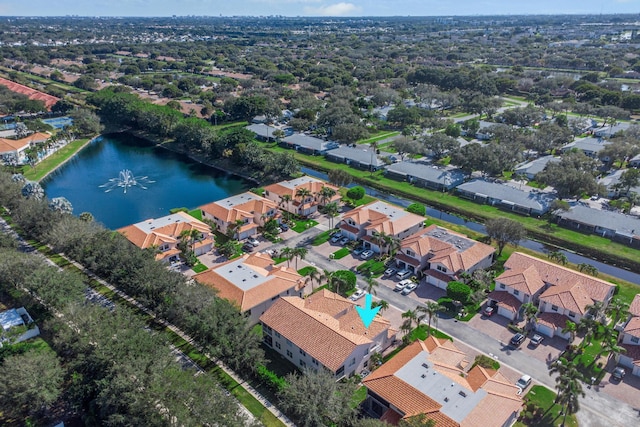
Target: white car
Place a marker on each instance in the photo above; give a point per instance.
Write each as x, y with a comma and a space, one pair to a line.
357, 295
389, 271
409, 288
523, 382
403, 284
366, 254
253, 242
403, 274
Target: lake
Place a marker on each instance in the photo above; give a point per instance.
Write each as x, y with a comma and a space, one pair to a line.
90, 181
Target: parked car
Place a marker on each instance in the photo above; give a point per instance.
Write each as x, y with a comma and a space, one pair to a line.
409, 288
536, 340
389, 271
247, 247
358, 250
357, 295
517, 339
253, 241
366, 254
488, 311
523, 382
618, 373
343, 241
364, 373
336, 237
402, 284
403, 274
284, 227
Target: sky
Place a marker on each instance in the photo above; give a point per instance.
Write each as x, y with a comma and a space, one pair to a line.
312, 7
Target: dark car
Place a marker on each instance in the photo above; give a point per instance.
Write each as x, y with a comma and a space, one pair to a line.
517, 339
618, 374
284, 227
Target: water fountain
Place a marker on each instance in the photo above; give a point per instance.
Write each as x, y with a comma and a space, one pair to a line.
125, 180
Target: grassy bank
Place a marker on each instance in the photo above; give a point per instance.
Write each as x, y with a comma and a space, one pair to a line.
51, 163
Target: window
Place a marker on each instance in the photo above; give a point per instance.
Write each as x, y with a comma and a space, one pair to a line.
277, 334
502, 286
164, 247
278, 345
353, 362
635, 340
516, 292
410, 252
340, 371
268, 330
289, 343
289, 354
572, 314
314, 361
554, 307
268, 340
302, 364
303, 353
441, 268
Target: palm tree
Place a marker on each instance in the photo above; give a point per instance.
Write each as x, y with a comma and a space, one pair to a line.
569, 388
325, 194
371, 284
589, 326
191, 236
618, 309
314, 275
558, 257
588, 269
610, 345
430, 309
393, 244
299, 252
570, 327
384, 305
284, 203
530, 311
331, 210
303, 193
287, 253
413, 316
233, 230
596, 309
379, 237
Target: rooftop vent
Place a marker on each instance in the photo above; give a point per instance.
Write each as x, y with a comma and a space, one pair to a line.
424, 375
446, 399
424, 365
462, 393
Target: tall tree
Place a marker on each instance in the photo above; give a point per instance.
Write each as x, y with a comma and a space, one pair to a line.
431, 310
504, 231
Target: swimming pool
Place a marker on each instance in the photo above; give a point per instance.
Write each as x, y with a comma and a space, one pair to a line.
59, 122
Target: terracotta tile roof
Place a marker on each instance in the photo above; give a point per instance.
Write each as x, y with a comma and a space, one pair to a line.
501, 394
506, 300
564, 279
634, 307
407, 259
336, 325
574, 297
49, 100
373, 220
527, 280
8, 145
633, 327
438, 275
553, 320
291, 187
253, 208
426, 245
280, 279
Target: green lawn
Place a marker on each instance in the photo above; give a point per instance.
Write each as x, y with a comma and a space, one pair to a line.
321, 238
305, 271
420, 333
278, 260
196, 213
341, 253
199, 267
379, 136
358, 397
303, 225
49, 164
548, 414
372, 265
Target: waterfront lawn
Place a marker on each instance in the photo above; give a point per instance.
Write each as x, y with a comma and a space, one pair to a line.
196, 213
41, 169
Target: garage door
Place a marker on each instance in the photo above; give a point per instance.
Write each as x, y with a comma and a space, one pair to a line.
505, 312
545, 330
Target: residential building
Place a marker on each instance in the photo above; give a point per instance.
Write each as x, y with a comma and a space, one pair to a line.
379, 219
17, 326
241, 214
308, 144
165, 233
635, 161
359, 158
297, 205
526, 201
589, 146
560, 293
612, 181
252, 282
630, 339
263, 132
324, 330
614, 225
425, 175
432, 378
15, 149
531, 168
440, 255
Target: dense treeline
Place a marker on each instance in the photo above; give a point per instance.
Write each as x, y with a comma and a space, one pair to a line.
132, 379
236, 145
12, 102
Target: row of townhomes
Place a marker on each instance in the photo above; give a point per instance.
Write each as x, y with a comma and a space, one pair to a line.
561, 294
15, 150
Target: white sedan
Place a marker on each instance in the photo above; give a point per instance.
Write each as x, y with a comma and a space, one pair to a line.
357, 295
409, 288
403, 284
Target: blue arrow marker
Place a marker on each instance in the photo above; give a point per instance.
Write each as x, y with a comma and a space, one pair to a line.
367, 313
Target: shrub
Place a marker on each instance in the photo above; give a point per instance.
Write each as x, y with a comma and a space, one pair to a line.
347, 280
458, 291
271, 379
486, 362
447, 303
417, 208
356, 193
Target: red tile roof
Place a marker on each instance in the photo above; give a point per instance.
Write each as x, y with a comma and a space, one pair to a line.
49, 100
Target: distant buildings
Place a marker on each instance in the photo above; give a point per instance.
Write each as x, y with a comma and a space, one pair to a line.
614, 225
533, 202
425, 175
